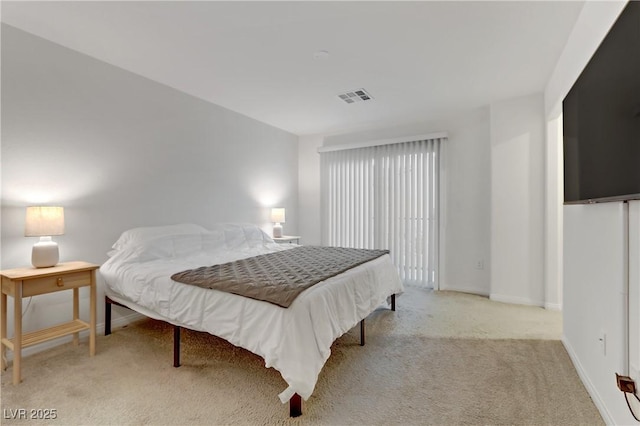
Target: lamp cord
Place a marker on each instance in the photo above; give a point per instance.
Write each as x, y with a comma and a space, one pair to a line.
24, 311
27, 308
626, 398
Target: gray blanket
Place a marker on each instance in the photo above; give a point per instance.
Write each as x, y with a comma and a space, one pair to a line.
279, 277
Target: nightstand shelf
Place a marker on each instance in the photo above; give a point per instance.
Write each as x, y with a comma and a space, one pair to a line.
25, 282
46, 334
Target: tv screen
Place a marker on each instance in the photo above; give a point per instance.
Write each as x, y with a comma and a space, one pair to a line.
601, 116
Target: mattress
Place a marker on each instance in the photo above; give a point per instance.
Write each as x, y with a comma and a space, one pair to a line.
296, 341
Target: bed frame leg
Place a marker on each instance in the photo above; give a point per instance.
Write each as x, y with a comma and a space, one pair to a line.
362, 333
176, 346
108, 302
295, 406
393, 302
107, 316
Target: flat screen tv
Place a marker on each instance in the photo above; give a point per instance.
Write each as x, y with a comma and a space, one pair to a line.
601, 116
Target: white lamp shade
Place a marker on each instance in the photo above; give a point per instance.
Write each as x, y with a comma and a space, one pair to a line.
44, 221
277, 215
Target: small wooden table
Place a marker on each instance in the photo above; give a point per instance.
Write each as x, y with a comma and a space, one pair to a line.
26, 282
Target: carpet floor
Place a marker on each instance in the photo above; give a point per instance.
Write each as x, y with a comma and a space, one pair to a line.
441, 358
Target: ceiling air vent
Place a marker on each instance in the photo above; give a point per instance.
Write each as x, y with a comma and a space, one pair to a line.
353, 96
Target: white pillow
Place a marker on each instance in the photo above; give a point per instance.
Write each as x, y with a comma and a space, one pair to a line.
243, 235
168, 246
213, 240
138, 236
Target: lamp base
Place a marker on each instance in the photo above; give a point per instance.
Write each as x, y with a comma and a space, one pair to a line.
277, 230
45, 253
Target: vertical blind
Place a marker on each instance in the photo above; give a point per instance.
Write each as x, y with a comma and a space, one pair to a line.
385, 197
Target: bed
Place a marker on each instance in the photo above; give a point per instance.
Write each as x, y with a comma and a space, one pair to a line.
296, 341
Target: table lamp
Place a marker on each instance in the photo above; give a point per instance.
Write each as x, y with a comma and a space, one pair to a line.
44, 222
277, 216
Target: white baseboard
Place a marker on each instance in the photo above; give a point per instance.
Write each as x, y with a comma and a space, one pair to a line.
115, 323
595, 396
553, 306
515, 300
463, 289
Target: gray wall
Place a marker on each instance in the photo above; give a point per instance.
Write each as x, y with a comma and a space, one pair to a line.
118, 151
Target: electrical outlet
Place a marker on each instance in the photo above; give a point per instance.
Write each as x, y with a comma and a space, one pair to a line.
625, 384
480, 264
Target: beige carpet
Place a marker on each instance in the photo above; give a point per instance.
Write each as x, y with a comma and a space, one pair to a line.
442, 358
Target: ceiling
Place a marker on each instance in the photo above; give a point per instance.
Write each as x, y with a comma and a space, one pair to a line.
418, 60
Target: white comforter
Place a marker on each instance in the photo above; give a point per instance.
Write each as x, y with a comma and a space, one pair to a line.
295, 341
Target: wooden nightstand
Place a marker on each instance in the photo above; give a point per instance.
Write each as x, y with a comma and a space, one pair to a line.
25, 282
287, 239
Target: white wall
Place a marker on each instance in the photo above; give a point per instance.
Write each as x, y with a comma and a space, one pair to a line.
517, 200
594, 321
467, 204
467, 218
119, 151
554, 198
308, 190
591, 301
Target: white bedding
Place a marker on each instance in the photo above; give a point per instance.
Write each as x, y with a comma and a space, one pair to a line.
295, 341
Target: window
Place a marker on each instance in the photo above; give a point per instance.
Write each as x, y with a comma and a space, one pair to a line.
385, 197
